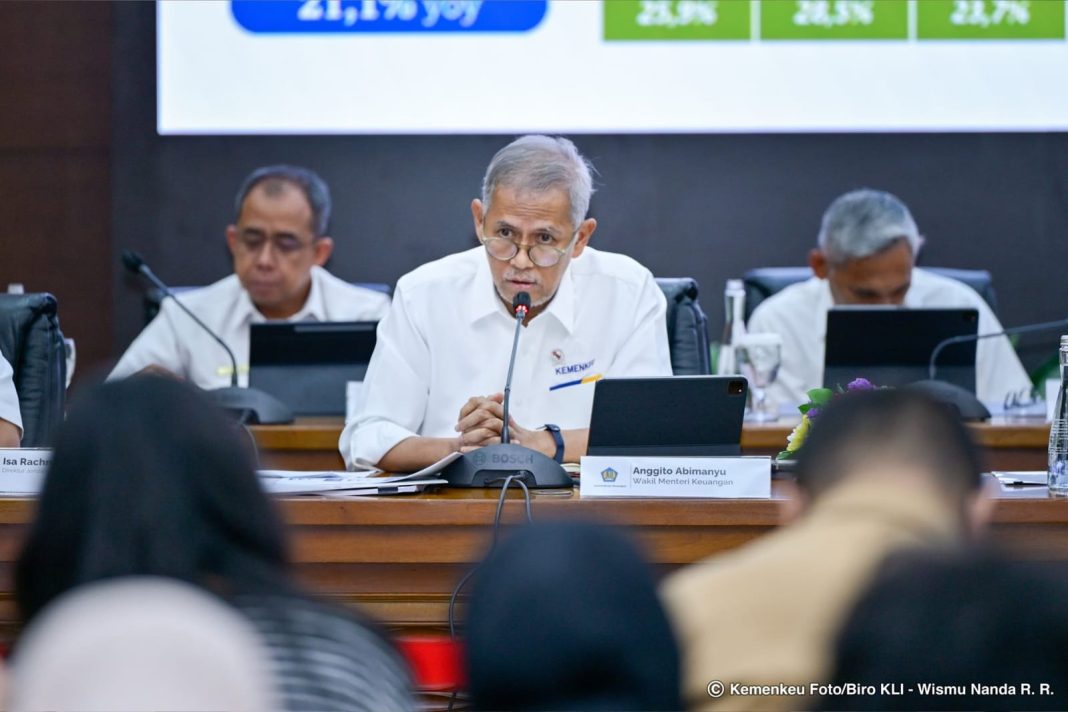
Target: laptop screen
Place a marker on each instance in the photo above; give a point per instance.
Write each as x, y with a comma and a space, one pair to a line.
674, 416
891, 346
307, 364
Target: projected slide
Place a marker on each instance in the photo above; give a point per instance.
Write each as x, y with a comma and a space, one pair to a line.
618, 66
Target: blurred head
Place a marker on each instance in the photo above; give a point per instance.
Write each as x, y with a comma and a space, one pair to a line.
566, 616
535, 194
148, 478
868, 244
975, 619
141, 644
278, 235
899, 436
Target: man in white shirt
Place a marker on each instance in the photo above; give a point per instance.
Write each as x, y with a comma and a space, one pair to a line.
434, 382
867, 250
279, 244
10, 417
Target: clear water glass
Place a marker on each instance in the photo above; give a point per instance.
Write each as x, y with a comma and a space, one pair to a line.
759, 357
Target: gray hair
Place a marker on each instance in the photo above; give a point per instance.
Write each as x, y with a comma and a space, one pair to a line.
314, 188
865, 222
538, 163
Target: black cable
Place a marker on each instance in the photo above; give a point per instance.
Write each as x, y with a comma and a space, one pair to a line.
508, 481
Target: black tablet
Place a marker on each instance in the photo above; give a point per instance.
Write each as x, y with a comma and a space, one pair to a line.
673, 416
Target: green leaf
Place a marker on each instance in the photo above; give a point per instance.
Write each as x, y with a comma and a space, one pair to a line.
786, 455
820, 396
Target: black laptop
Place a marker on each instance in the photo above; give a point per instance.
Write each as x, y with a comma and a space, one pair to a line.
682, 416
307, 364
891, 346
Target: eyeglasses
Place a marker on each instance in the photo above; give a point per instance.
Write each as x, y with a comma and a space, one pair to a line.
284, 245
542, 255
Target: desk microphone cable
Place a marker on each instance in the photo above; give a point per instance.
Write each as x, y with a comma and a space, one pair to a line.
508, 482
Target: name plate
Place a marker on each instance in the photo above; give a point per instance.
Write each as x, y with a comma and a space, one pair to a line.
22, 470
692, 477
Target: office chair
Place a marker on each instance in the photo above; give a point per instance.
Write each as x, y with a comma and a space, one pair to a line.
762, 282
32, 343
687, 327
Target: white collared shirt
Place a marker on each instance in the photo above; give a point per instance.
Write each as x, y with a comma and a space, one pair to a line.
448, 337
9, 398
799, 314
175, 342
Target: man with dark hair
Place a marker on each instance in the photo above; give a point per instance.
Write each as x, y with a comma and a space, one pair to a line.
279, 244
974, 632
881, 471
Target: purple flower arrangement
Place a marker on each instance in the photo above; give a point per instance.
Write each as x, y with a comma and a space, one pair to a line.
818, 398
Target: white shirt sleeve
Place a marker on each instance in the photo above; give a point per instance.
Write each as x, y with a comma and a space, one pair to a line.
998, 370
9, 399
396, 390
157, 344
645, 352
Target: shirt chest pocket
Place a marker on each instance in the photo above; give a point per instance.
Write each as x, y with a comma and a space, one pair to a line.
570, 390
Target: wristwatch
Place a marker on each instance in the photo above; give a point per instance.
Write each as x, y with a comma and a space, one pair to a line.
554, 430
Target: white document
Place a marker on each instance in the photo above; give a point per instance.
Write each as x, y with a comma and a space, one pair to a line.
302, 482
22, 471
1021, 478
690, 477
434, 468
406, 487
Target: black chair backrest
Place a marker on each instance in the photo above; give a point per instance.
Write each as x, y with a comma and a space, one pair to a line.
763, 282
32, 343
687, 327
154, 295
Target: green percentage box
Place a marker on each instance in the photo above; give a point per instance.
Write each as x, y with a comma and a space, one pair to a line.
990, 20
677, 19
834, 20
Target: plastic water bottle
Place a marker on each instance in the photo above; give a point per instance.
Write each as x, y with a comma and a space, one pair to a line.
1057, 477
733, 326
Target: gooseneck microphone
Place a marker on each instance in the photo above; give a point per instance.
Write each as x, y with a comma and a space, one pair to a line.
932, 366
492, 465
966, 403
133, 262
520, 307
249, 405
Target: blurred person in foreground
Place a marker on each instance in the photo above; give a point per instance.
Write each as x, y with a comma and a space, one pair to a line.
148, 479
972, 632
141, 643
564, 616
866, 255
881, 471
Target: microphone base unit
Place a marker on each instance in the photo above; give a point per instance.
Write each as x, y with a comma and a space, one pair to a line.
253, 405
490, 465
964, 401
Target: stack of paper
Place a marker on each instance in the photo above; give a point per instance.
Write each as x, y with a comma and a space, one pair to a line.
343, 484
352, 484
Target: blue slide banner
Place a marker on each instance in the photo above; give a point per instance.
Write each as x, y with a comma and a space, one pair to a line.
395, 16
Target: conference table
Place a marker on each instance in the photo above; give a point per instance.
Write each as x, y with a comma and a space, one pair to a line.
399, 557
